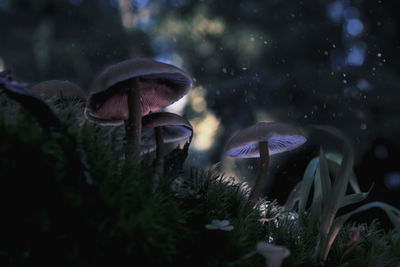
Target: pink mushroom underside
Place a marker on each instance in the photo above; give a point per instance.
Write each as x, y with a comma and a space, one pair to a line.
154, 96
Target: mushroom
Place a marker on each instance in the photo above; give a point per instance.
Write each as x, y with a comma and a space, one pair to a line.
260, 141
274, 254
168, 127
59, 89
128, 90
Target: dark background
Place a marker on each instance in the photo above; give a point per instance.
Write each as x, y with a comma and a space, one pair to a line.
302, 62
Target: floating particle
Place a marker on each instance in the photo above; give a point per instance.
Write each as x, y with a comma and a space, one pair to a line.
363, 126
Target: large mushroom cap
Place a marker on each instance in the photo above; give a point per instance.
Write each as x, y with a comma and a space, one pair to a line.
160, 85
281, 137
174, 128
59, 89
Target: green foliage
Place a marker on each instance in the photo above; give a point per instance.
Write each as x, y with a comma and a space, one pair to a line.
51, 215
377, 248
329, 196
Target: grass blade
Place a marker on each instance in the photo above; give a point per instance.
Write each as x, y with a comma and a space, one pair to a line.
306, 184
325, 178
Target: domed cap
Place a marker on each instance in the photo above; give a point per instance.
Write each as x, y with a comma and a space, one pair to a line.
280, 136
174, 128
160, 85
59, 89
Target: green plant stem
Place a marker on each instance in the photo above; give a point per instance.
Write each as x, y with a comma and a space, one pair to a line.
133, 126
262, 173
333, 205
160, 151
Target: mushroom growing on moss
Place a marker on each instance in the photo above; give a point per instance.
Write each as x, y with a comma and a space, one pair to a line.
260, 141
164, 127
58, 89
128, 90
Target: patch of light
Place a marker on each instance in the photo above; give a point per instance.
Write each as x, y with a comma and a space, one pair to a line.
335, 11
170, 58
76, 2
205, 130
392, 180
161, 45
197, 99
364, 85
351, 13
261, 115
144, 20
199, 104
356, 56
354, 27
127, 17
140, 3
178, 106
202, 25
2, 65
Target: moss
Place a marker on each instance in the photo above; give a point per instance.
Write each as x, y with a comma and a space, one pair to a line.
51, 216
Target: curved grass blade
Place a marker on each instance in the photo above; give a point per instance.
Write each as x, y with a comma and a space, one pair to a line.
335, 160
354, 198
307, 181
325, 178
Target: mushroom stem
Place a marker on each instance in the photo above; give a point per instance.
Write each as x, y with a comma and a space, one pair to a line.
262, 173
159, 162
133, 126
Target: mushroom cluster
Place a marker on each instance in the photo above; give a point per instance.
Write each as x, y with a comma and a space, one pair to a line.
125, 92
132, 93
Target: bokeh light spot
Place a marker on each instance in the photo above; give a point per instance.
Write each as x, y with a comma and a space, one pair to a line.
356, 55
335, 11
354, 27
392, 180
205, 130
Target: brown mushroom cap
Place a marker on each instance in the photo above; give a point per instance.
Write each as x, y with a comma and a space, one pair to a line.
58, 89
280, 136
174, 128
160, 85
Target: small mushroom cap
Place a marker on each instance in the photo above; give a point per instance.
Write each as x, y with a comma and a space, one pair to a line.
280, 136
160, 85
174, 128
58, 89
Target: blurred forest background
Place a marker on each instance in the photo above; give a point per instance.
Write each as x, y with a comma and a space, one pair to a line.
333, 62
